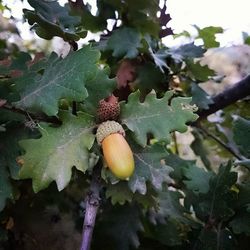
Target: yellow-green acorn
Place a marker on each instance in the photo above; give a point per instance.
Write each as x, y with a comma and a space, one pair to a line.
116, 151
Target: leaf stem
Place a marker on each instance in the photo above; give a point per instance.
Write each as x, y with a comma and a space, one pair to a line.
92, 205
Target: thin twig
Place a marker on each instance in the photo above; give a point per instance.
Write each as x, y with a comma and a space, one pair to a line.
222, 143
92, 205
38, 117
218, 235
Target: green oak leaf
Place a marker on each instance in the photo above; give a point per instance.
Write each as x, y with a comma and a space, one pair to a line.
5, 185
51, 157
20, 61
186, 51
44, 62
247, 40
94, 23
3, 231
170, 219
50, 19
243, 200
142, 16
149, 166
200, 97
124, 43
200, 149
7, 115
241, 135
210, 239
155, 116
170, 207
119, 193
145, 24
241, 222
10, 148
217, 202
170, 233
198, 179
65, 78
17, 63
178, 164
207, 34
98, 88
171, 216
3, 70
195, 178
149, 77
198, 72
120, 227
9, 151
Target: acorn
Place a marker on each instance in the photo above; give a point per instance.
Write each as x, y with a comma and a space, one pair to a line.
108, 109
117, 153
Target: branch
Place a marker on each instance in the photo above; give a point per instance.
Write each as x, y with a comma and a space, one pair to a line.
237, 92
92, 205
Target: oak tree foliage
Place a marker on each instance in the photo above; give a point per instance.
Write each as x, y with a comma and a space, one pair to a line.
48, 121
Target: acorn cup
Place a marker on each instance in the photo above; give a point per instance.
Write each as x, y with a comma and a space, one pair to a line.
116, 151
108, 109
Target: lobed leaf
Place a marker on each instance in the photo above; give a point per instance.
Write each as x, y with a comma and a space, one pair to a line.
186, 51
50, 19
200, 97
198, 179
98, 88
207, 34
150, 77
198, 71
124, 43
51, 157
241, 222
149, 166
121, 226
155, 116
5, 184
218, 202
241, 135
63, 78
119, 193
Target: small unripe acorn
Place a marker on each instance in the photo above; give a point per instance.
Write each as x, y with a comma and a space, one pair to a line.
108, 109
116, 151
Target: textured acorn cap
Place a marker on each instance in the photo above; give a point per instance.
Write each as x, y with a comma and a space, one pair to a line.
107, 128
108, 109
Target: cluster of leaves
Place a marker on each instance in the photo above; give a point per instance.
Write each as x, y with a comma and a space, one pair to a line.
48, 109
